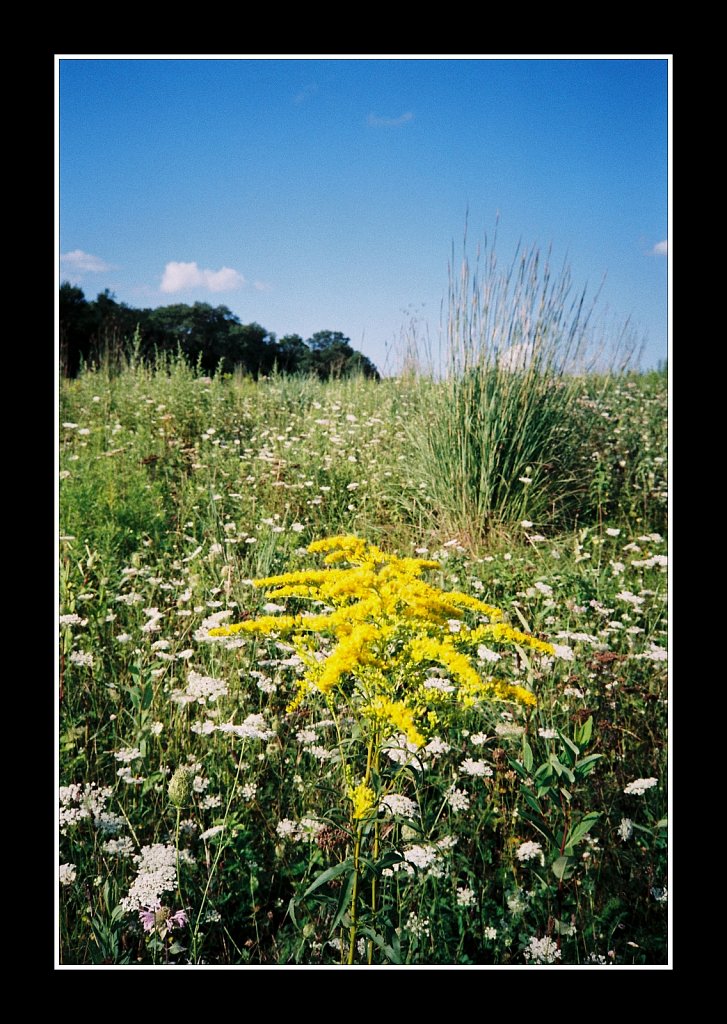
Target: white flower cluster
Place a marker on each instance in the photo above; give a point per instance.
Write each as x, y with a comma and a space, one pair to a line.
465, 896
639, 786
654, 653
156, 874
82, 658
548, 734
475, 768
417, 926
530, 851
211, 832
109, 824
79, 801
425, 857
541, 951
399, 750
67, 874
625, 829
395, 803
254, 728
122, 847
435, 748
457, 799
200, 690
299, 831
153, 618
509, 729
127, 754
71, 620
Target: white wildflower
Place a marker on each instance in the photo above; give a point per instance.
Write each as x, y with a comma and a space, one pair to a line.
465, 897
67, 874
396, 803
82, 658
210, 832
639, 786
458, 799
548, 734
625, 829
541, 951
530, 851
127, 754
122, 847
475, 768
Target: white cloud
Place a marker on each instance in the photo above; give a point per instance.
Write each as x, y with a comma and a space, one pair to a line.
79, 261
661, 248
374, 121
179, 277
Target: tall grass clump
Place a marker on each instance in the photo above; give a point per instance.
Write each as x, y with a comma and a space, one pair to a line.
504, 434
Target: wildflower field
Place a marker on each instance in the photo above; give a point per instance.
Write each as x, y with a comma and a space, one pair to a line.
332, 693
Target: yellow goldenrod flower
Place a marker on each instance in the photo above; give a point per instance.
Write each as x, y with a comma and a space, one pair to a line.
363, 799
382, 630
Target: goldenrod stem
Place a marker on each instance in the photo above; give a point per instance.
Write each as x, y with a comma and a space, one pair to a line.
354, 896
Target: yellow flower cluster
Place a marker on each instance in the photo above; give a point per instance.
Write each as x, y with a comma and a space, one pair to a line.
363, 799
390, 629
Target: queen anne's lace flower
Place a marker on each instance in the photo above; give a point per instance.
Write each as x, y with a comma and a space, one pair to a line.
639, 786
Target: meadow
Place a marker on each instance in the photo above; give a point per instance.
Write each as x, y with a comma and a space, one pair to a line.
332, 693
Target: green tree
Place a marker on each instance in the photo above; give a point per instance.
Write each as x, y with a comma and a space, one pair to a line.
333, 356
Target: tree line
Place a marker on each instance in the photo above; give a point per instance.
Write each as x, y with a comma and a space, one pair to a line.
210, 337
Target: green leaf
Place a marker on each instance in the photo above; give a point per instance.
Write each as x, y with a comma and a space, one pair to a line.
586, 765
344, 902
531, 800
584, 732
570, 751
378, 940
561, 769
386, 861
147, 697
563, 868
291, 910
527, 756
328, 874
540, 826
518, 767
582, 828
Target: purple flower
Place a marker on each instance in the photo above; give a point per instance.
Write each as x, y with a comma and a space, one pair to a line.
156, 918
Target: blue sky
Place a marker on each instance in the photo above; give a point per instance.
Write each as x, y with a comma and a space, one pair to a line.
327, 193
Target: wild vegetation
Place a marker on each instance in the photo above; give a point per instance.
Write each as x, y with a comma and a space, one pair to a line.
359, 672
209, 337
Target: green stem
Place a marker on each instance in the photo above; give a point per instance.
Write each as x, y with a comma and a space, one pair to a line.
375, 854
179, 876
354, 896
371, 760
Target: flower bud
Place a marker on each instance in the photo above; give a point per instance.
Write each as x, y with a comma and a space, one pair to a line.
180, 787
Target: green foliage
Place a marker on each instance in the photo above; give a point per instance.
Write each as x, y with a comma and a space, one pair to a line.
179, 487
505, 430
210, 338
